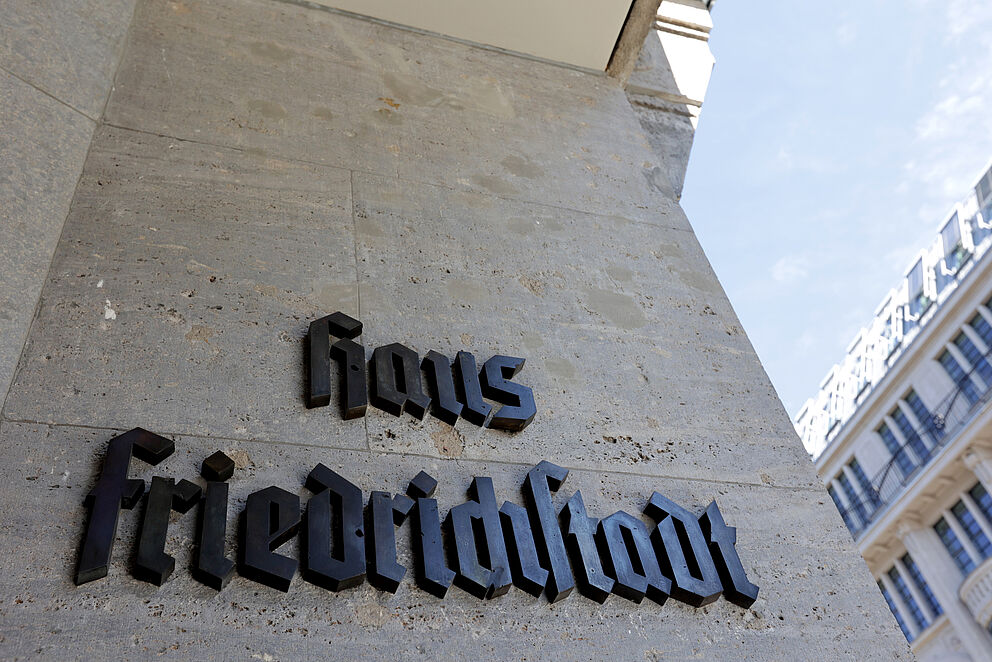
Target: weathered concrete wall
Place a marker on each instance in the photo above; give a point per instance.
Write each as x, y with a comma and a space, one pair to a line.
57, 62
262, 163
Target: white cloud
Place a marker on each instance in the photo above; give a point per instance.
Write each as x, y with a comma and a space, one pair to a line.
846, 33
954, 136
789, 269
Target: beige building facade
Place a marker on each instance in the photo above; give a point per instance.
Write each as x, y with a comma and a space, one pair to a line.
901, 434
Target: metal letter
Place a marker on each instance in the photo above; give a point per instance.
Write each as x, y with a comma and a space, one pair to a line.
476, 410
433, 575
354, 380
630, 559
518, 408
334, 552
525, 566
541, 481
441, 385
210, 566
152, 563
683, 552
396, 384
580, 536
723, 539
482, 567
113, 491
318, 340
422, 486
217, 467
271, 517
319, 348
384, 513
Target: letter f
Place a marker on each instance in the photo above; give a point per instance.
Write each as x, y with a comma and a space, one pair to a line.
113, 491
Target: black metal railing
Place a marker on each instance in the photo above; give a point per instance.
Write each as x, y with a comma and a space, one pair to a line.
950, 415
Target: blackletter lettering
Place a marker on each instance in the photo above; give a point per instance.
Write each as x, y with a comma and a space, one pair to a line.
334, 552
722, 539
541, 481
683, 552
396, 385
113, 491
441, 385
433, 575
354, 380
630, 559
318, 340
482, 567
581, 541
518, 408
152, 563
384, 513
210, 566
271, 517
476, 410
525, 566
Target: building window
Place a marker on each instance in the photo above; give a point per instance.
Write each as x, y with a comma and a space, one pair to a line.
954, 547
921, 584
899, 453
954, 252
959, 376
972, 529
983, 500
974, 356
852, 498
909, 434
895, 612
871, 496
924, 417
919, 302
841, 509
902, 589
982, 328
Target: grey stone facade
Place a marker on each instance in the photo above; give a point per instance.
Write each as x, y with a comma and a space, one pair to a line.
261, 163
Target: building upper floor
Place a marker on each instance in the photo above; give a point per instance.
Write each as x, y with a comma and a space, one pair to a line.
931, 282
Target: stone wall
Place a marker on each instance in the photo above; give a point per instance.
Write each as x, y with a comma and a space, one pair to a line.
261, 163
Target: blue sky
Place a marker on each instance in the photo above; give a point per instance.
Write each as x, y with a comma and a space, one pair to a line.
834, 138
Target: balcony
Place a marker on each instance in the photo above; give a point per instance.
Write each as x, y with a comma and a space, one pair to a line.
976, 592
953, 412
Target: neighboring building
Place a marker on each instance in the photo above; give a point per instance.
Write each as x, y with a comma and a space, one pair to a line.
188, 184
901, 434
